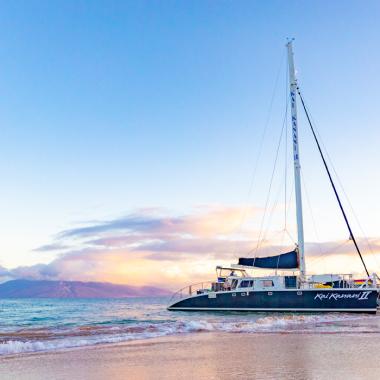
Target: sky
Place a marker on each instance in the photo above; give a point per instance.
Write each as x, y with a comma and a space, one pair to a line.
138, 137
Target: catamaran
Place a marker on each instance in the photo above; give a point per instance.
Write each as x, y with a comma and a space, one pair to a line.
293, 290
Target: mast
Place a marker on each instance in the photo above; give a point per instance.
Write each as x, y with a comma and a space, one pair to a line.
296, 157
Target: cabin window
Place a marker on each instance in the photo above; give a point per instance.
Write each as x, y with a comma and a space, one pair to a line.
290, 281
223, 273
234, 283
266, 283
246, 284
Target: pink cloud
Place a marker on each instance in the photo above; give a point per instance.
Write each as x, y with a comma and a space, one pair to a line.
150, 247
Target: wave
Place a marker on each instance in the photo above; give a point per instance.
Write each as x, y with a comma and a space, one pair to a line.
48, 339
283, 323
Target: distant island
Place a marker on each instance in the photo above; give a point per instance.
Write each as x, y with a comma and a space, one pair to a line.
75, 289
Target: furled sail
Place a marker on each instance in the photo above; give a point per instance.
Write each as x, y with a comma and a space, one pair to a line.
287, 260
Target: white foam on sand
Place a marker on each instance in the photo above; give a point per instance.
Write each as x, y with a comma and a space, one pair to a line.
292, 323
275, 323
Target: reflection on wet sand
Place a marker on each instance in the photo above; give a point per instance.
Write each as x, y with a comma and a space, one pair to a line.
210, 356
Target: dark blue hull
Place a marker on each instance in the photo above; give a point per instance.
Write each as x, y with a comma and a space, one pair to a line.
313, 300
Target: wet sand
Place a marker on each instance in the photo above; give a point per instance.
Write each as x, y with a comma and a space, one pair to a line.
209, 356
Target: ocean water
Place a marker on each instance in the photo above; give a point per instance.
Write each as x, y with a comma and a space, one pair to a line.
30, 325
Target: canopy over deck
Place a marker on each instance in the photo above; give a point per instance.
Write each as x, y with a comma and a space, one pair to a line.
287, 260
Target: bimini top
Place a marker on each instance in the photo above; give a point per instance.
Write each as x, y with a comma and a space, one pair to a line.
287, 260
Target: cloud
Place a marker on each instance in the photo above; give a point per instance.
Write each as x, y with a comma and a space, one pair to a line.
127, 223
4, 271
208, 220
51, 247
153, 247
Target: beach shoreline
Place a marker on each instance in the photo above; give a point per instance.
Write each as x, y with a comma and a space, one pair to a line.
208, 355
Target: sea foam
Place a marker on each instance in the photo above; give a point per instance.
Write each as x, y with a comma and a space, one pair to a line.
116, 334
48, 325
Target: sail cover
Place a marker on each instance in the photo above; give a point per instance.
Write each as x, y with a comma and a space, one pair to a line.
287, 260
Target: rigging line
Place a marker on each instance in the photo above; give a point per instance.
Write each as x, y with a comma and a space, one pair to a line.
288, 205
311, 212
290, 237
270, 217
269, 190
344, 192
352, 209
350, 205
285, 164
328, 252
253, 178
289, 200
276, 201
332, 183
286, 199
281, 245
286, 153
271, 213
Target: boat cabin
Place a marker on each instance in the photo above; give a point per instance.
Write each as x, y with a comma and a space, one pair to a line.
232, 278
224, 272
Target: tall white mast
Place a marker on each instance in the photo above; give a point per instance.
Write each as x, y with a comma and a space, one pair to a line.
296, 156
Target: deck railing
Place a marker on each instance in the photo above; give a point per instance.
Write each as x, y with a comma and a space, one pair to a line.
345, 281
191, 290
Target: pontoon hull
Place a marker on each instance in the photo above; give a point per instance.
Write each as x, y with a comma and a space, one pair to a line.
305, 300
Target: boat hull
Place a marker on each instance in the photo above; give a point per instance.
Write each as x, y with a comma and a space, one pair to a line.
305, 300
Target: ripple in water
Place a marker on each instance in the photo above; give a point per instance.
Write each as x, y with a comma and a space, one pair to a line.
42, 325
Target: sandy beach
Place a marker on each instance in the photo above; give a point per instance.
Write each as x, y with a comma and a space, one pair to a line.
209, 356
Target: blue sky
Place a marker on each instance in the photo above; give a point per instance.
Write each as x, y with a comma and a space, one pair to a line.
107, 107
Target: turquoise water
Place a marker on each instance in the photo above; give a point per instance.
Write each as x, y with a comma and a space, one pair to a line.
49, 324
